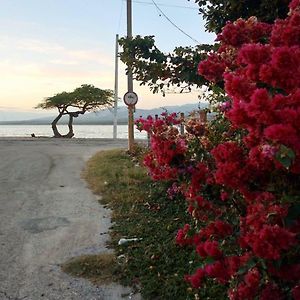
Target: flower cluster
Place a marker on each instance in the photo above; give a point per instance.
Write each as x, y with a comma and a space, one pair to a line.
242, 191
167, 145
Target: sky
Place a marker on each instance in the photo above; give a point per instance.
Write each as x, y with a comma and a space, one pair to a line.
50, 46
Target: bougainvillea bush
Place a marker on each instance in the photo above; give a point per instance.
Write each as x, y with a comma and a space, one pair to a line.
240, 174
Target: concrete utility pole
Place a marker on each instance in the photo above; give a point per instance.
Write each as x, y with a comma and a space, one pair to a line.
130, 81
116, 88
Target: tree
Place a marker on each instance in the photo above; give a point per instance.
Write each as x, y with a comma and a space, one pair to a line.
162, 71
218, 12
82, 99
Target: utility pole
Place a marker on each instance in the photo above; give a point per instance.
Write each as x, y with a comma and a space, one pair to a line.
116, 88
130, 81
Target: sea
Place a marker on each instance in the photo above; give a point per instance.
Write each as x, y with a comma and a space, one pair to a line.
80, 131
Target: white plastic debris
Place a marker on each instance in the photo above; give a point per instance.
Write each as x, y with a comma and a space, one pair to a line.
121, 259
125, 241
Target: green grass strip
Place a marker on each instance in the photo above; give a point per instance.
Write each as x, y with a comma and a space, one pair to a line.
154, 265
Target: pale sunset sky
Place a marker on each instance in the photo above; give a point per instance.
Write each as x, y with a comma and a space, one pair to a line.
50, 46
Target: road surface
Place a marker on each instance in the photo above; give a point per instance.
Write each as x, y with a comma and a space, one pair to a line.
47, 215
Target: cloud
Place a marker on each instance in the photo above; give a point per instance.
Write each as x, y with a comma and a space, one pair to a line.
37, 46
8, 108
13, 23
63, 62
26, 85
34, 45
54, 63
9, 69
95, 56
58, 54
48, 68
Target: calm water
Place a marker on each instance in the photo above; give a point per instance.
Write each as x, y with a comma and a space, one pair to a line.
80, 131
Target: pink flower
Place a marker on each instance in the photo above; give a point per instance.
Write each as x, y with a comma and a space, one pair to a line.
268, 151
212, 68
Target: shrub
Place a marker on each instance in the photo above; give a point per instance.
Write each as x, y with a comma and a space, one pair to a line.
242, 189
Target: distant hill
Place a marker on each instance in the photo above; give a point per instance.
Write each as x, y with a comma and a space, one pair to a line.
106, 116
9, 115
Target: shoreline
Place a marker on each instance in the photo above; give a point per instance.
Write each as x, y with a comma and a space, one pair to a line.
58, 139
106, 142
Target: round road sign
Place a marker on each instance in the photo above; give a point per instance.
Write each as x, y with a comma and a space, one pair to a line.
130, 98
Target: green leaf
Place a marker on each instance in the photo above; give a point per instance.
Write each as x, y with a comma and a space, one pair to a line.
249, 265
209, 260
285, 156
293, 214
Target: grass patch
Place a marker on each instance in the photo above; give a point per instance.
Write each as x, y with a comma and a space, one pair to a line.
98, 268
154, 265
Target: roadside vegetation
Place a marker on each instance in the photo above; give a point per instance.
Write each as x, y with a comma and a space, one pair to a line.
237, 176
152, 265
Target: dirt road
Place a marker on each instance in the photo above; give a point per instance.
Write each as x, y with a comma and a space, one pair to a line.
47, 215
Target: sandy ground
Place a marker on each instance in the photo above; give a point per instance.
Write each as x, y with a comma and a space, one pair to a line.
47, 215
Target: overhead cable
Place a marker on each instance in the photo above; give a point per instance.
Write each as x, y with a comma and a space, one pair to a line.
181, 30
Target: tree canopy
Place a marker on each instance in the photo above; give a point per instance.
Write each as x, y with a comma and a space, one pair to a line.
162, 71
82, 99
217, 12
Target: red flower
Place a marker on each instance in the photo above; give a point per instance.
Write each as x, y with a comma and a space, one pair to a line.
212, 68
217, 270
240, 161
182, 236
296, 292
283, 134
196, 279
209, 248
294, 4
271, 292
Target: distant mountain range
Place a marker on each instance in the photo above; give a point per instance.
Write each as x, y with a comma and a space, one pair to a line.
106, 116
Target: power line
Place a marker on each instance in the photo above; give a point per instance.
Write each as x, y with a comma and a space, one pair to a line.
162, 4
181, 30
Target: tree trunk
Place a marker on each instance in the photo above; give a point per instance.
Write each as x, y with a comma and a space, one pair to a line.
70, 134
54, 126
57, 134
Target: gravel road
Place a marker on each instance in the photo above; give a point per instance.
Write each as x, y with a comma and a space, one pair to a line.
47, 215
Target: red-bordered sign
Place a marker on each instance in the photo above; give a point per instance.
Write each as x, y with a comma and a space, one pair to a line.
130, 98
